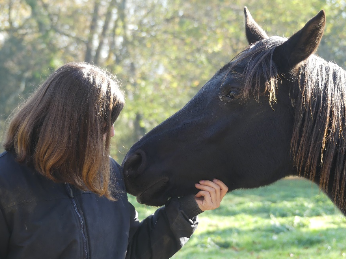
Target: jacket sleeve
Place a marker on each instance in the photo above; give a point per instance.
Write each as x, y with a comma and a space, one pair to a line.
162, 234
4, 236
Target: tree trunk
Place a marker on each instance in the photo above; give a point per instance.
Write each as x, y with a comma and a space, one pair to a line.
104, 31
92, 31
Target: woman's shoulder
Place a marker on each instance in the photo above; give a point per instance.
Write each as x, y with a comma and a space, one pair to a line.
117, 178
9, 165
5, 157
116, 169
12, 177
20, 183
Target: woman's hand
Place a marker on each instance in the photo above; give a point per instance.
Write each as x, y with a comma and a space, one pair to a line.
211, 194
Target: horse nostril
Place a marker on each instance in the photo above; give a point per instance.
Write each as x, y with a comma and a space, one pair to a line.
134, 165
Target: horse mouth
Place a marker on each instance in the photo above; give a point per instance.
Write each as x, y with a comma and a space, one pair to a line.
155, 194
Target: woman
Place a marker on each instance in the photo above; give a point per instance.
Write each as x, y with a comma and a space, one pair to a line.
62, 196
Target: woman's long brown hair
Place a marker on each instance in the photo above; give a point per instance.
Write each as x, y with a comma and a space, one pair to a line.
63, 129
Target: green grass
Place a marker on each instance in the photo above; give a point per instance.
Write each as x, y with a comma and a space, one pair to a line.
289, 219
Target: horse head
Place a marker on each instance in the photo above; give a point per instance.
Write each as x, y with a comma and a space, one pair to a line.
238, 128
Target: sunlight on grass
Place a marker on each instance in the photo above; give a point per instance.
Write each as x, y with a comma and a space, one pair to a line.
289, 219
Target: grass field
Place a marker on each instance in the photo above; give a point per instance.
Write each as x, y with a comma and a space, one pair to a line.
289, 219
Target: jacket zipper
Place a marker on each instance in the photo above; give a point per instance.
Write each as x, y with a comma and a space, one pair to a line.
81, 221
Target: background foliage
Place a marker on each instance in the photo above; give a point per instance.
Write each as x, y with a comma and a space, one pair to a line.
162, 51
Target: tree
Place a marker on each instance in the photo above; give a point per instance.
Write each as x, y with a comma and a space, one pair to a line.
162, 51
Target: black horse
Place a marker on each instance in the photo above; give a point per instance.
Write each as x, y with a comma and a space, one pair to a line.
275, 110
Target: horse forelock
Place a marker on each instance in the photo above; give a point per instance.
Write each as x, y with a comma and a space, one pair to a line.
318, 141
260, 73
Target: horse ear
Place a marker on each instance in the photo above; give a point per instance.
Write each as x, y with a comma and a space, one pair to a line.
301, 45
253, 31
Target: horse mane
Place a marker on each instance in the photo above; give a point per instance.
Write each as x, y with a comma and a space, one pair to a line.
318, 144
318, 141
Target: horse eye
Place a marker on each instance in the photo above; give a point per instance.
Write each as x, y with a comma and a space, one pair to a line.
231, 95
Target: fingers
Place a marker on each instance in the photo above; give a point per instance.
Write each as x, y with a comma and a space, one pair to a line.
204, 199
223, 187
211, 194
213, 189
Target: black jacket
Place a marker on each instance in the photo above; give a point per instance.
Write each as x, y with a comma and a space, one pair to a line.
43, 219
